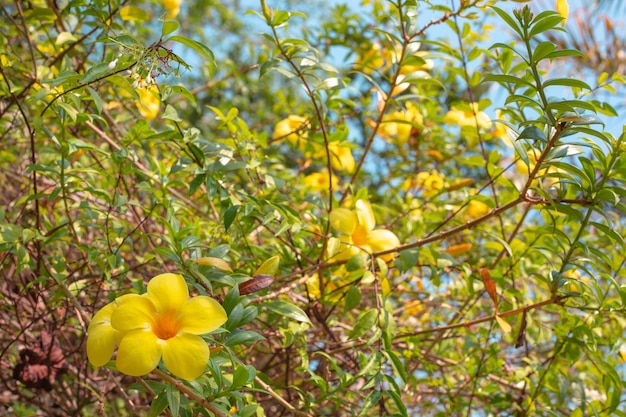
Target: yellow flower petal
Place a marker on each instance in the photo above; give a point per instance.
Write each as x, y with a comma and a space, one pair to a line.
168, 291
293, 129
136, 312
562, 7
346, 249
186, 356
201, 315
101, 337
343, 220
382, 239
139, 353
341, 158
149, 102
365, 214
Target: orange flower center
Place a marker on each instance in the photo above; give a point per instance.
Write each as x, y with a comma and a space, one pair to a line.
167, 325
359, 236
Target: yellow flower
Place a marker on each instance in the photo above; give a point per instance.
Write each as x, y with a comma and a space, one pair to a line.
398, 125
464, 118
356, 228
163, 323
149, 102
294, 129
431, 182
341, 157
173, 7
562, 7
477, 209
375, 59
319, 181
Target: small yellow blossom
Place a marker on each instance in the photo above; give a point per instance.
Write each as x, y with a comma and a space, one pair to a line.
163, 323
149, 102
431, 183
173, 7
319, 181
465, 118
477, 209
356, 228
295, 130
398, 125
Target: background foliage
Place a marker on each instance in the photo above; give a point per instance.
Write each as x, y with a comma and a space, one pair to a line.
137, 141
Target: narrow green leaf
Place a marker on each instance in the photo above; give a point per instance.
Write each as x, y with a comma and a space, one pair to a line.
201, 48
286, 309
569, 82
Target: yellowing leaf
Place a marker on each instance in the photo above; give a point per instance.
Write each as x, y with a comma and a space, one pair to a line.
133, 13
490, 285
214, 262
269, 267
459, 249
506, 327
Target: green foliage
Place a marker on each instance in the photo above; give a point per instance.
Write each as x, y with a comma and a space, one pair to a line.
484, 277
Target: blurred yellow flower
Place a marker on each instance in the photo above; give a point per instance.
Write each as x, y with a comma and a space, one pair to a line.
398, 125
464, 118
375, 59
173, 7
562, 7
477, 209
431, 183
294, 129
341, 157
149, 102
163, 323
319, 181
356, 228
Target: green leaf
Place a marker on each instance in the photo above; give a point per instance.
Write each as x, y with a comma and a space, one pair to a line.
569, 82
543, 50
502, 78
195, 45
169, 26
509, 21
366, 322
242, 337
533, 133
407, 259
286, 309
173, 399
353, 298
369, 403
545, 24
229, 216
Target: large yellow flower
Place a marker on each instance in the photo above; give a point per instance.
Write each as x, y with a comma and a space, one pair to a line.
149, 102
163, 323
356, 228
